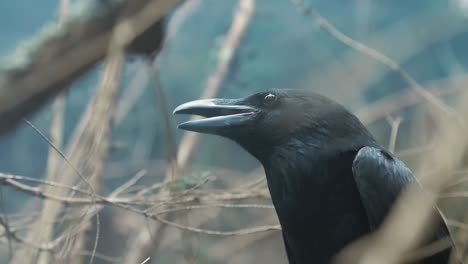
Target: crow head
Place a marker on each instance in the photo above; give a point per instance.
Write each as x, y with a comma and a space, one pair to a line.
266, 120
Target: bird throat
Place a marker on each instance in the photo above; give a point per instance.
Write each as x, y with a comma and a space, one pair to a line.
315, 197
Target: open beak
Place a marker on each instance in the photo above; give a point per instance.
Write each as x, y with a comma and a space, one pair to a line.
219, 114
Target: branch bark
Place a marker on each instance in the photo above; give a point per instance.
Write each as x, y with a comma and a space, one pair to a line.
241, 20
41, 231
88, 148
54, 59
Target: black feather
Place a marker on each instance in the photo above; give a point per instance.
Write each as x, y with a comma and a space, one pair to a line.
329, 180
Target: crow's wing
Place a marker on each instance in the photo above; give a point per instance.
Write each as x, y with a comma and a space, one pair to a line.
379, 178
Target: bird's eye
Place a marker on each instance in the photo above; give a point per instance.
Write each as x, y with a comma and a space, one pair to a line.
269, 99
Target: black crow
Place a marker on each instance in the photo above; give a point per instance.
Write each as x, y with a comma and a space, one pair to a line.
329, 180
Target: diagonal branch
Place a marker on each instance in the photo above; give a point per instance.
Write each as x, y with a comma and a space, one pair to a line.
380, 57
58, 56
241, 20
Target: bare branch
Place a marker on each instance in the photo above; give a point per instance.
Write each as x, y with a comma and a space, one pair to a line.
394, 125
414, 208
406, 98
241, 20
242, 17
59, 56
378, 56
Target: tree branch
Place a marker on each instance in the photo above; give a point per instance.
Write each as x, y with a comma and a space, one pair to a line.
55, 58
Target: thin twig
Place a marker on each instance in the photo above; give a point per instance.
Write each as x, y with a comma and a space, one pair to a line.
146, 260
241, 20
64, 54
6, 225
378, 56
415, 208
394, 125
57, 150
129, 183
407, 98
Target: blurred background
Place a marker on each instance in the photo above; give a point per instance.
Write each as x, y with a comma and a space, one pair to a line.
216, 195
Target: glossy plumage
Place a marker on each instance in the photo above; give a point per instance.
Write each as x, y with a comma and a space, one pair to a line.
330, 181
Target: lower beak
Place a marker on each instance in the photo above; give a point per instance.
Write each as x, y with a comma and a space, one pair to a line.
220, 114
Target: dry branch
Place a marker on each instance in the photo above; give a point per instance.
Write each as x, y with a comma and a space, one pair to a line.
406, 98
228, 48
89, 145
58, 56
347, 77
440, 111
414, 208
153, 203
241, 20
394, 126
41, 231
109, 85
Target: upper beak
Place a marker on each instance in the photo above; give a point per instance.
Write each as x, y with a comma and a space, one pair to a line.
219, 113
